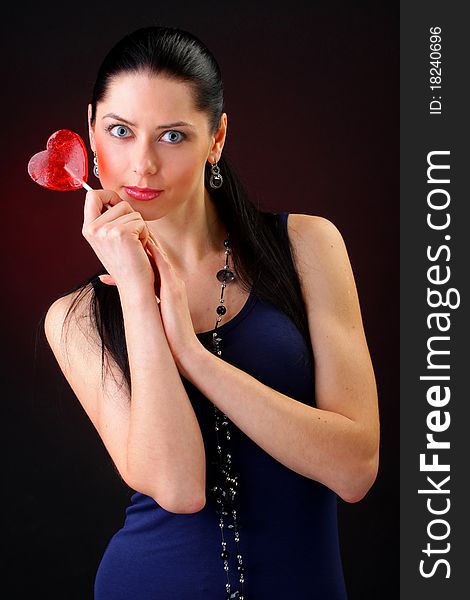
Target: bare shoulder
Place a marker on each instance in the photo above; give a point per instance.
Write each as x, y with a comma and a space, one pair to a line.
315, 238
56, 315
59, 328
325, 272
318, 247
303, 219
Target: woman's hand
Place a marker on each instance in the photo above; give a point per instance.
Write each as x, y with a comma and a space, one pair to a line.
118, 236
174, 307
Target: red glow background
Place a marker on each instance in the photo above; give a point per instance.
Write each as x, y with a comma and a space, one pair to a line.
312, 98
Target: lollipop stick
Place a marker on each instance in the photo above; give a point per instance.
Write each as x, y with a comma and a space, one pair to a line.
86, 186
84, 183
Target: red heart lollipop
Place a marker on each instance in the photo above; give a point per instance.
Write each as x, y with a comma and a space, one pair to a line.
64, 165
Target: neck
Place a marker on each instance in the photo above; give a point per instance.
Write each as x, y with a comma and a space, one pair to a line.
191, 235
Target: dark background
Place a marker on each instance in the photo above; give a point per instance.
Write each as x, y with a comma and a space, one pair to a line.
312, 97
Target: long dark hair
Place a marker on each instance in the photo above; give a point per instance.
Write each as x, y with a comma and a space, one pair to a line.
261, 252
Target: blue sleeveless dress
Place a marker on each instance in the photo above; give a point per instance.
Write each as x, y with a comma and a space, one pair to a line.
288, 523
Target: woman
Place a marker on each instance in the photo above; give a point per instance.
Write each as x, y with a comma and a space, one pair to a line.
239, 407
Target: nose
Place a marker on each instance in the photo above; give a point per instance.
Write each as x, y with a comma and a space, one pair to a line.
144, 162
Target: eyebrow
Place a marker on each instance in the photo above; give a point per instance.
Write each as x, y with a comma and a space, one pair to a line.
167, 125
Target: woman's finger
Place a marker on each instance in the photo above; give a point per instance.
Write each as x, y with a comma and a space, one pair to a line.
95, 201
160, 258
158, 251
156, 270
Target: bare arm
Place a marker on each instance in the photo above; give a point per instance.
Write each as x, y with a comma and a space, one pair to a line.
153, 438
151, 431
336, 443
165, 444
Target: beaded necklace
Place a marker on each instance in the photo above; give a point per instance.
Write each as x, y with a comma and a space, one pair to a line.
224, 491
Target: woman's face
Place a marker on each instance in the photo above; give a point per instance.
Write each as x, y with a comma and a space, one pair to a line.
139, 144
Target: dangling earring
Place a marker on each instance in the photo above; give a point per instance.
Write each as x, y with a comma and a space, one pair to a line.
216, 179
95, 168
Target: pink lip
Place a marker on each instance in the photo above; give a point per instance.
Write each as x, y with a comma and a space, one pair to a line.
142, 193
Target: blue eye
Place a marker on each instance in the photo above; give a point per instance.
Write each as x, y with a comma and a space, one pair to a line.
119, 128
173, 131
120, 132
